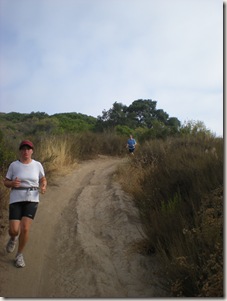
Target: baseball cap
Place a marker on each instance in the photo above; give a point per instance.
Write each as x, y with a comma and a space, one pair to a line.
26, 142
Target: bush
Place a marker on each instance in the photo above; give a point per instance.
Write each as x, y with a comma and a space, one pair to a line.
171, 182
6, 157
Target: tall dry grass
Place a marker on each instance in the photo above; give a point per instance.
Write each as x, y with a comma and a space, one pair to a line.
55, 155
178, 187
6, 156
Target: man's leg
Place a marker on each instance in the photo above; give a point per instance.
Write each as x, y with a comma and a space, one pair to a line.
14, 220
23, 238
24, 232
14, 229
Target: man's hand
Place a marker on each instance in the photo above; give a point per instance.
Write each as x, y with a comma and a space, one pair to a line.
12, 183
16, 182
43, 185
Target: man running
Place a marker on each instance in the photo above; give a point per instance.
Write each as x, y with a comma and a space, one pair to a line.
24, 177
131, 145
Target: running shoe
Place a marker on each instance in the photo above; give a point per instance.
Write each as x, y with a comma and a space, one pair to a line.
19, 261
10, 247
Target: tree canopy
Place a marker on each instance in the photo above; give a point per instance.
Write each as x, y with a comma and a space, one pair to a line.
141, 113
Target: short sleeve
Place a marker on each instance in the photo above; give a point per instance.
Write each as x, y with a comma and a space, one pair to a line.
41, 171
9, 174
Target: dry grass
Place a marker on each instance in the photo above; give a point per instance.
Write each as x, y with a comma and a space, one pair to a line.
6, 156
4, 196
55, 155
175, 185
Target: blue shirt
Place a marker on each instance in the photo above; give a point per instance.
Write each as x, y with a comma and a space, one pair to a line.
131, 143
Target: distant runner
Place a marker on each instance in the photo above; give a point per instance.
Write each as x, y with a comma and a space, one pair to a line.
131, 145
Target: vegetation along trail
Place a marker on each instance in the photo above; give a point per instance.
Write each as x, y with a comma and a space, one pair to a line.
81, 242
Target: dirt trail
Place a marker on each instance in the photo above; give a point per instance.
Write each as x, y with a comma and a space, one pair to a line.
80, 242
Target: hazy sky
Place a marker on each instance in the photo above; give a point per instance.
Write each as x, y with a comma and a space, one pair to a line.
81, 56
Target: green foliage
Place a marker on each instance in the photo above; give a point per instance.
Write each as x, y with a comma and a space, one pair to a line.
39, 123
140, 114
41, 126
21, 117
111, 118
123, 130
6, 154
140, 117
75, 122
174, 123
195, 128
172, 206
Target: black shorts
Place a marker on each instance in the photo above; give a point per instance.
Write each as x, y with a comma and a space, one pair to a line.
20, 209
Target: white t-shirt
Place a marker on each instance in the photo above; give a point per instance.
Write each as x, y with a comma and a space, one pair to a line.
29, 174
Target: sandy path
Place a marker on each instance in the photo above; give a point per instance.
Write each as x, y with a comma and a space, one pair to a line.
80, 242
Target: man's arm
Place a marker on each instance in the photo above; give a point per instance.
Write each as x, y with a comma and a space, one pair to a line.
12, 183
43, 184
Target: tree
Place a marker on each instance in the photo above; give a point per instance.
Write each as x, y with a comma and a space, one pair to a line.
161, 116
174, 125
173, 121
142, 112
195, 128
113, 117
123, 130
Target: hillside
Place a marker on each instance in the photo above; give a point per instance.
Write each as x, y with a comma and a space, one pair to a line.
175, 180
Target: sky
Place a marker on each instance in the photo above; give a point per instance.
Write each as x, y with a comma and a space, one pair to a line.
59, 56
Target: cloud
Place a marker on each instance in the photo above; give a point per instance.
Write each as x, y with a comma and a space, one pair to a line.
83, 55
